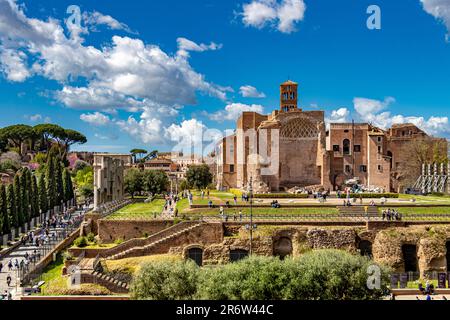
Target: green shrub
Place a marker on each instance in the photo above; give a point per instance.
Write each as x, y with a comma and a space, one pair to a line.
81, 242
164, 280
67, 256
316, 275
371, 195
91, 237
281, 196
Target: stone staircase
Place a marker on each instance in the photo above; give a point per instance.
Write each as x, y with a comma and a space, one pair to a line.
106, 281
358, 211
150, 245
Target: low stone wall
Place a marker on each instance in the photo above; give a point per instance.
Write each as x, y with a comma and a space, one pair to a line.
204, 234
111, 230
283, 206
344, 239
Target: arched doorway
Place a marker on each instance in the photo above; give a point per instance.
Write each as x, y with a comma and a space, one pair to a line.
410, 257
238, 254
365, 248
196, 254
282, 247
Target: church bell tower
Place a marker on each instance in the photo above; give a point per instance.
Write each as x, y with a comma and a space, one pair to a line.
288, 96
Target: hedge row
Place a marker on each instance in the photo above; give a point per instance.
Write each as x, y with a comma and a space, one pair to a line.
238, 193
281, 196
371, 195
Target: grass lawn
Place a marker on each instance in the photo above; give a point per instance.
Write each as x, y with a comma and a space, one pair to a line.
133, 265
419, 210
426, 199
139, 211
183, 205
56, 284
266, 211
415, 284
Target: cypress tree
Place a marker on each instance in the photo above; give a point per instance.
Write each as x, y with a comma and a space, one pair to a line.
51, 183
34, 197
59, 182
4, 219
43, 200
68, 192
18, 199
24, 197
12, 207
72, 190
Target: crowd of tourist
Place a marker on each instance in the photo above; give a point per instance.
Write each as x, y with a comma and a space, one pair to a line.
171, 203
38, 238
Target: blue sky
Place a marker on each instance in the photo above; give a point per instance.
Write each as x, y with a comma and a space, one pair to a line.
149, 73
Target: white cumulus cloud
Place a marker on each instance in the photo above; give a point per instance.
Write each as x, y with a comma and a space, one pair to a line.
440, 9
125, 73
282, 15
96, 18
251, 92
97, 118
374, 112
233, 111
339, 116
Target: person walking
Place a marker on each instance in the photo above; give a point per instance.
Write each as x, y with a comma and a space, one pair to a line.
1, 267
8, 280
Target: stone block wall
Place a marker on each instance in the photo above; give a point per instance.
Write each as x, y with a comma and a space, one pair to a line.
111, 230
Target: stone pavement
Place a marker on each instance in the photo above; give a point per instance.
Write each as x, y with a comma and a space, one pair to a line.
19, 254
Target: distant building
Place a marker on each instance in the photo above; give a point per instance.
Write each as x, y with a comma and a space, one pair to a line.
74, 156
292, 148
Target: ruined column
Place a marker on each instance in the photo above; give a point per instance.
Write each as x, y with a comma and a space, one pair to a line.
429, 179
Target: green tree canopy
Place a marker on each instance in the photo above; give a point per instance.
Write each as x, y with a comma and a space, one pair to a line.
51, 183
25, 194
12, 208
68, 188
84, 182
17, 134
47, 132
18, 200
5, 226
58, 172
166, 280
133, 181
316, 275
72, 137
34, 197
42, 194
199, 177
140, 152
155, 181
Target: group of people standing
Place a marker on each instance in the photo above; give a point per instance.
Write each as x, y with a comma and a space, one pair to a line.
391, 215
171, 204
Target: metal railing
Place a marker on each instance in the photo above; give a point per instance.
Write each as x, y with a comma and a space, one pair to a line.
108, 208
26, 270
325, 217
